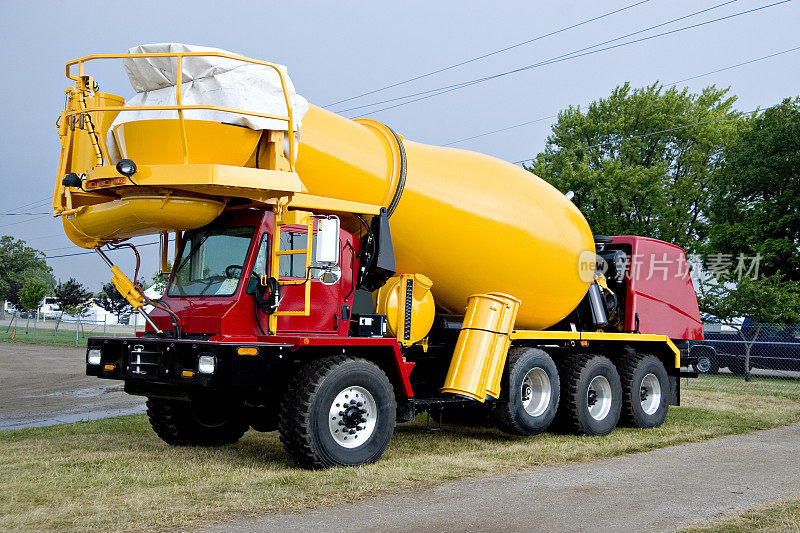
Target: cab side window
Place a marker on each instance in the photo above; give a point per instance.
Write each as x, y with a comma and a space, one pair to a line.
294, 265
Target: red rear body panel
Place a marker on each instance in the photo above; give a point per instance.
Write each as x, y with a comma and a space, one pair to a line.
659, 290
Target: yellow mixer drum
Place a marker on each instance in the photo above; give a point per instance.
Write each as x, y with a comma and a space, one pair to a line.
470, 222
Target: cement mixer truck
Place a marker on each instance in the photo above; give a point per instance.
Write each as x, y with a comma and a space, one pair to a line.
329, 278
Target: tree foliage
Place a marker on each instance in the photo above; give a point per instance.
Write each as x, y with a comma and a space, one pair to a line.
632, 177
756, 208
112, 301
72, 297
19, 262
32, 293
768, 299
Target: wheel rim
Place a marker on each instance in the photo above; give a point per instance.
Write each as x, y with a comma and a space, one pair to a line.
352, 417
598, 397
703, 364
650, 394
536, 391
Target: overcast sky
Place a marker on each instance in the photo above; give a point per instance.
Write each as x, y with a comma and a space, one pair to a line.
335, 50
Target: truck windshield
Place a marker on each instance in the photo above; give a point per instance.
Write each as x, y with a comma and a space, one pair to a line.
211, 262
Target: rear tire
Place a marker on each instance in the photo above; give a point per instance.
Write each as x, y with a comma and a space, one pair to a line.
737, 367
196, 423
329, 405
531, 379
591, 399
645, 391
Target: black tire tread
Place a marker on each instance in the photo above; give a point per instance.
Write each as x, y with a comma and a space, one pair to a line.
172, 421
570, 370
626, 366
294, 421
505, 421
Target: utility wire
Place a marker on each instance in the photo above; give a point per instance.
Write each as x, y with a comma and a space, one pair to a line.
737, 65
37, 217
544, 62
30, 205
671, 84
22, 214
650, 134
87, 253
489, 54
561, 58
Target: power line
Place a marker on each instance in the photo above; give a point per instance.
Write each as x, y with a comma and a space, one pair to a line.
499, 130
570, 57
30, 205
489, 54
640, 136
737, 65
671, 84
541, 63
87, 253
21, 214
37, 217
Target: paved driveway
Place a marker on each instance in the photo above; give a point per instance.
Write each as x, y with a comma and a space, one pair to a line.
42, 385
654, 491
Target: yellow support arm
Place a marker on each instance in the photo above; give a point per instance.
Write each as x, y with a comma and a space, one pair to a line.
126, 288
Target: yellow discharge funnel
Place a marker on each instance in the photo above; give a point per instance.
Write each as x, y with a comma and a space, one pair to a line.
480, 353
470, 222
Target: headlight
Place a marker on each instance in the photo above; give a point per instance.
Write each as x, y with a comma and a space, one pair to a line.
93, 356
206, 364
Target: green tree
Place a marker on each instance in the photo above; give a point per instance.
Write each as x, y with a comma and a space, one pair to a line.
111, 300
756, 208
159, 280
31, 295
72, 297
767, 300
632, 177
19, 262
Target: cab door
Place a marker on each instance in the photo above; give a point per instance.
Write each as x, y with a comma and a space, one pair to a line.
325, 299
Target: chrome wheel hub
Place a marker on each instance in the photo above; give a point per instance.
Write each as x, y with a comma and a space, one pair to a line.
650, 394
536, 392
352, 417
598, 398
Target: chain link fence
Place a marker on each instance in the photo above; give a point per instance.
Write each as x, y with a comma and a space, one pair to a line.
749, 350
66, 331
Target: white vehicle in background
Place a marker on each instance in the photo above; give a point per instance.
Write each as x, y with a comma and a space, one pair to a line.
49, 308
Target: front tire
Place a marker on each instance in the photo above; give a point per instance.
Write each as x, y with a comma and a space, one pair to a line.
197, 423
337, 411
645, 391
591, 401
534, 389
706, 363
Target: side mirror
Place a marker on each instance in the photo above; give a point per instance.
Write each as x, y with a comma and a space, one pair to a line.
330, 276
327, 242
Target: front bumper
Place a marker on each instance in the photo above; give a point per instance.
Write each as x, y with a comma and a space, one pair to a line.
167, 367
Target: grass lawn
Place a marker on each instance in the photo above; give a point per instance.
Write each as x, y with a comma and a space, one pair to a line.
115, 474
782, 515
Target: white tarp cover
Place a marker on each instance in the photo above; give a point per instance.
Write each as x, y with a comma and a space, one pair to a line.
209, 80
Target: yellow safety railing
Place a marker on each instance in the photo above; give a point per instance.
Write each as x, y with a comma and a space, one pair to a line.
179, 107
279, 211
